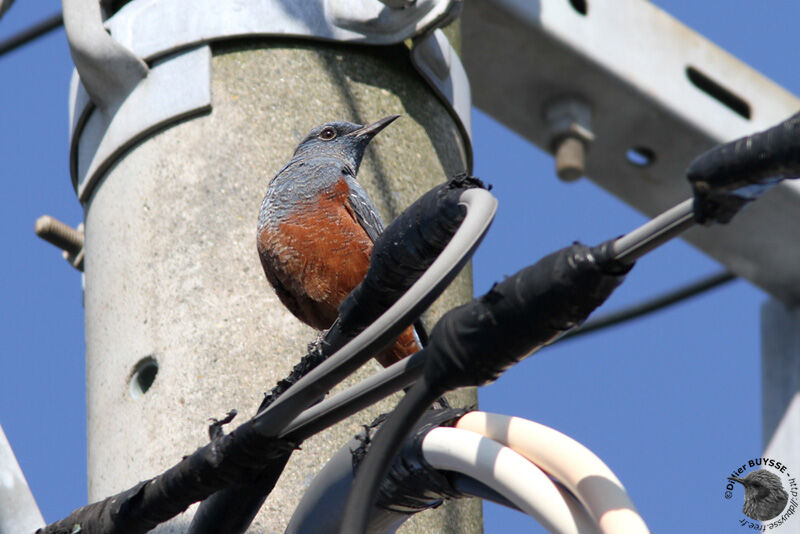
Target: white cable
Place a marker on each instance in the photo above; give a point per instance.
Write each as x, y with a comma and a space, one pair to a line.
509, 474
569, 462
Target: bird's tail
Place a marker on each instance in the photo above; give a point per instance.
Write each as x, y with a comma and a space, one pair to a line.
405, 345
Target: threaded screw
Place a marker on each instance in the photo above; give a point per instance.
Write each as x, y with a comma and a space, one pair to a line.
59, 234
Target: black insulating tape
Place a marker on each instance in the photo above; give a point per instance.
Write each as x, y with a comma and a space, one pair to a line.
412, 485
759, 159
474, 343
405, 250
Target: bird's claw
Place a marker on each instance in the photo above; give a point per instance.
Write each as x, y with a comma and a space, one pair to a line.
215, 428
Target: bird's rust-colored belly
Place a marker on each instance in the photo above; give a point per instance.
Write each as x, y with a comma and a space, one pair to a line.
316, 256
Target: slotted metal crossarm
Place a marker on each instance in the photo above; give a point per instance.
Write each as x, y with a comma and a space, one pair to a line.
659, 94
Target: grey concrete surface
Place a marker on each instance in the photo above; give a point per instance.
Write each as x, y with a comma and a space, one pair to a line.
172, 271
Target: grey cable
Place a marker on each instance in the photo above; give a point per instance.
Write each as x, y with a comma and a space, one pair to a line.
654, 233
481, 207
356, 398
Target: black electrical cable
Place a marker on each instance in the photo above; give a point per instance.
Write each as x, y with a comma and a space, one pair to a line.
253, 449
354, 399
649, 306
470, 487
34, 32
723, 179
320, 508
405, 373
475, 343
560, 291
387, 442
411, 486
112, 6
401, 255
731, 175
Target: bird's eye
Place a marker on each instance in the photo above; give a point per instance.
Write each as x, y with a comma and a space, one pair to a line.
327, 134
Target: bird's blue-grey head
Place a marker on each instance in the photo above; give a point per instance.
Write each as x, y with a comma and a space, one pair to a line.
318, 162
341, 140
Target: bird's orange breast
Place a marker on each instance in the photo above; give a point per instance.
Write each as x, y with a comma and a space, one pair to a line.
319, 254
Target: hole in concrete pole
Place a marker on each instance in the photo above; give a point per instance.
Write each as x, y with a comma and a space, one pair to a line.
142, 377
640, 156
580, 6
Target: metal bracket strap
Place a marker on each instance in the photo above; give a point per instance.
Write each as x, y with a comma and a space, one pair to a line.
114, 102
176, 87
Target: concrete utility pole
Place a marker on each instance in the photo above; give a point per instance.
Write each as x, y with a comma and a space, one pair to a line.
181, 324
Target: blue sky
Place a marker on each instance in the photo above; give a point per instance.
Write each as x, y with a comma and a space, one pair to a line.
670, 402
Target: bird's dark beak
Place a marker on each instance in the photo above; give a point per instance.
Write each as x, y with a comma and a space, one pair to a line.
736, 479
370, 130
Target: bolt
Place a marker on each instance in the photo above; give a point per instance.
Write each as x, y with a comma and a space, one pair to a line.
59, 234
569, 121
570, 154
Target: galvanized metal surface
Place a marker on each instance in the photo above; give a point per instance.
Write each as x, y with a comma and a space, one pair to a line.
654, 86
155, 27
109, 70
18, 510
177, 87
780, 382
172, 273
439, 64
111, 84
569, 122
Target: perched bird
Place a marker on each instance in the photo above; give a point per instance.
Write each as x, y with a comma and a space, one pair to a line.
317, 227
764, 496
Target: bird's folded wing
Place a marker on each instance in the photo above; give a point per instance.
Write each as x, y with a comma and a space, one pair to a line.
366, 213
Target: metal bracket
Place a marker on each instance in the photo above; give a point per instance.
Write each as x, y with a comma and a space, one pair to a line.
439, 64
569, 120
177, 87
108, 69
115, 102
155, 27
659, 95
